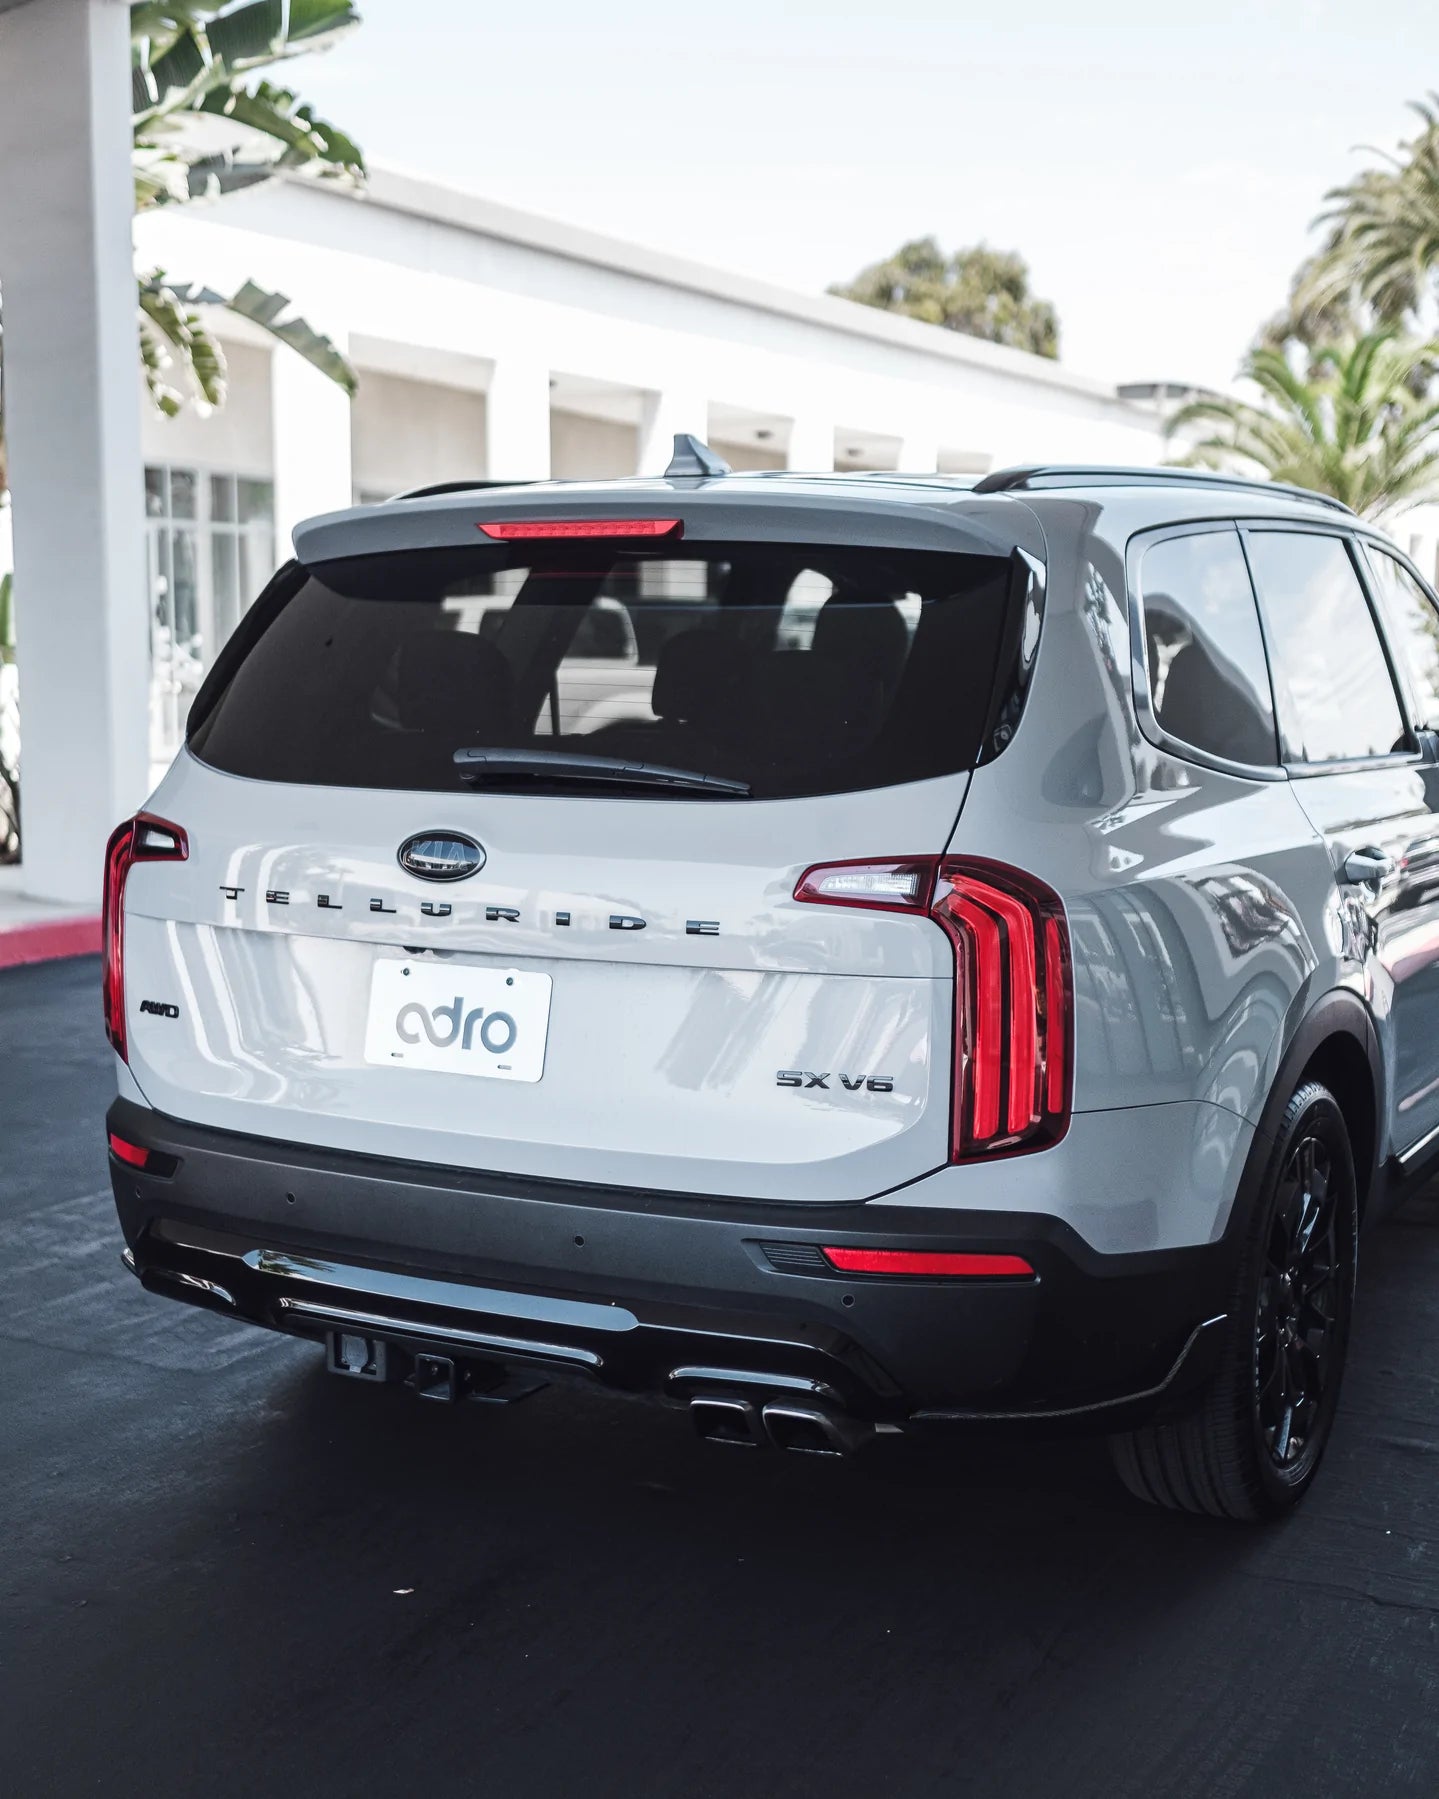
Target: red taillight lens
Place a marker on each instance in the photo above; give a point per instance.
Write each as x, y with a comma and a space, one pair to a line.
139, 839
128, 1152
940, 1263
518, 529
1013, 989
1013, 1007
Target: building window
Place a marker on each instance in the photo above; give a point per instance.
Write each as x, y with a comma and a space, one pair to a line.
210, 544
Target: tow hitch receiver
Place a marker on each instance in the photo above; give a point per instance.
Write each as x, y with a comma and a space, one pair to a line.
431, 1376
437, 1377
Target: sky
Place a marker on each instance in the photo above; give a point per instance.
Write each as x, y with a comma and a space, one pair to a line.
1158, 165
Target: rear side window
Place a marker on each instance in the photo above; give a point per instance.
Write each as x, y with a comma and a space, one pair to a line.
1413, 623
796, 669
1208, 681
1331, 678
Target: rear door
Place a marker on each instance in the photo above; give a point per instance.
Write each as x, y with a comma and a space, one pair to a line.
623, 988
1362, 779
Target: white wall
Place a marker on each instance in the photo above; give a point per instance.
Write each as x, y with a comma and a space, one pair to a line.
408, 433
239, 438
747, 456
449, 280
583, 448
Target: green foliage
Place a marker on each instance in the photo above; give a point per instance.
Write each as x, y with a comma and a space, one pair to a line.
1378, 266
1355, 421
170, 323
172, 333
979, 291
201, 60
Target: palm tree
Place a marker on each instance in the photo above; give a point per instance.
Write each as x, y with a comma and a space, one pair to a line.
1355, 421
1382, 249
199, 58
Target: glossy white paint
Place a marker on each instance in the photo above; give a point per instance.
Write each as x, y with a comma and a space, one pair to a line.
1203, 908
663, 1048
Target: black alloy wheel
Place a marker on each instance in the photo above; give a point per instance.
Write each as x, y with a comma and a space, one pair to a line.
1297, 1328
1251, 1443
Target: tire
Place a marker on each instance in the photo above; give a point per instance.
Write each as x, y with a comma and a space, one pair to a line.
1251, 1446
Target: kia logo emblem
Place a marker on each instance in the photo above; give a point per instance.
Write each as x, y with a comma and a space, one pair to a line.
441, 856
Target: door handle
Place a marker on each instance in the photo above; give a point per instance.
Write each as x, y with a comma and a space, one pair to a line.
1366, 867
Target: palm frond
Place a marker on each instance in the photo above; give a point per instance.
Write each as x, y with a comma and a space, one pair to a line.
180, 53
1355, 423
271, 312
172, 333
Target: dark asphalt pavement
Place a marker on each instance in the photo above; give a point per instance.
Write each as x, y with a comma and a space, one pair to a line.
227, 1573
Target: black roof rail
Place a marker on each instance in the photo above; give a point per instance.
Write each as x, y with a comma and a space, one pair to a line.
439, 487
1063, 474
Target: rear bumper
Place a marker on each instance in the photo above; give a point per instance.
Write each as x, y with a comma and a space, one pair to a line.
665, 1293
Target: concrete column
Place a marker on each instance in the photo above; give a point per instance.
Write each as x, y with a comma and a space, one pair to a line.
811, 445
517, 421
310, 418
73, 431
665, 414
919, 452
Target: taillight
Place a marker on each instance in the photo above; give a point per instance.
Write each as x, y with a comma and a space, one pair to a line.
140, 839
901, 885
1013, 991
509, 530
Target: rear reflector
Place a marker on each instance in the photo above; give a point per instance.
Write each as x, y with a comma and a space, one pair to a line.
941, 1263
128, 1152
584, 527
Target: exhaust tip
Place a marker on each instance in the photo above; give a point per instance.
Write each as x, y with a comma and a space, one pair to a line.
719, 1419
811, 1430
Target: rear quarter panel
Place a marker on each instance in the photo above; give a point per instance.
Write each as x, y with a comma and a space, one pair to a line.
1200, 903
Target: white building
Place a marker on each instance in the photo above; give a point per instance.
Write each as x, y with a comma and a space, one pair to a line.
492, 343
489, 343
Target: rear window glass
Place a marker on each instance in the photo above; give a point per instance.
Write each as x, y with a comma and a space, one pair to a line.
795, 670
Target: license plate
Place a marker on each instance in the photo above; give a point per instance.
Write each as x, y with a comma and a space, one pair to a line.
485, 1021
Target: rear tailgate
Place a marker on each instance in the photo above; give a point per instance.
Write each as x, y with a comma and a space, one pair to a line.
626, 991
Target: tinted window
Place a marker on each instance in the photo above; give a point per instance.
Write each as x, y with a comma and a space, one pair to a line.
1336, 696
798, 669
1413, 625
1208, 682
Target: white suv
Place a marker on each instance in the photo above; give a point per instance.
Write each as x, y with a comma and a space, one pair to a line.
979, 962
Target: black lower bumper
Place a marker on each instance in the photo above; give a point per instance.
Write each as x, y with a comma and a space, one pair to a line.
664, 1292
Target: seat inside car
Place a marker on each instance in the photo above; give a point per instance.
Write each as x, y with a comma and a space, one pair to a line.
455, 684
866, 631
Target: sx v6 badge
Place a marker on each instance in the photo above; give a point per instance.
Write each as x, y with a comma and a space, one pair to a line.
801, 1077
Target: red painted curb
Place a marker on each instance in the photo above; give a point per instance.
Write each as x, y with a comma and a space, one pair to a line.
48, 942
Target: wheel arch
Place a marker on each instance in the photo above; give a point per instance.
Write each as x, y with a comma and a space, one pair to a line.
1336, 1043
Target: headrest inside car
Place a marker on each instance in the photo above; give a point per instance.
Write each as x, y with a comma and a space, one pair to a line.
810, 709
698, 676
455, 683
867, 633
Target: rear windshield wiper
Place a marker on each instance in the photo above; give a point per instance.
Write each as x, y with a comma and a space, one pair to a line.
486, 766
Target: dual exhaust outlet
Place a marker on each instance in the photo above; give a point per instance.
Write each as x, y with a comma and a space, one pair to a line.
778, 1423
